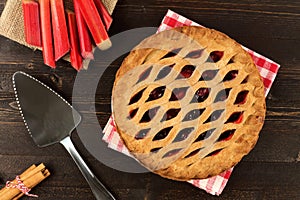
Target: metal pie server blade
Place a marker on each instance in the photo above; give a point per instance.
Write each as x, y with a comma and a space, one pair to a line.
50, 119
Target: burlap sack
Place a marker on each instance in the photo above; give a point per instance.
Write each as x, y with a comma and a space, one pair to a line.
12, 25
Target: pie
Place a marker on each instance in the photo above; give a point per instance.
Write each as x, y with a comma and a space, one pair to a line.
188, 103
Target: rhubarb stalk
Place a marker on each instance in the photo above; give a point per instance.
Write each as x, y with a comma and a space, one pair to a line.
75, 57
32, 27
47, 43
104, 14
94, 23
59, 28
85, 41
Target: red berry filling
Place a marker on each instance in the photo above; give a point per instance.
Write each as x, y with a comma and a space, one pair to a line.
215, 56
241, 97
230, 61
142, 134
222, 95
195, 54
214, 153
204, 135
155, 150
236, 118
170, 114
186, 71
208, 75
144, 75
227, 135
178, 93
194, 114
231, 75
201, 95
168, 55
149, 115
164, 72
192, 153
245, 80
132, 113
171, 153
135, 98
162, 134
183, 134
172, 53
214, 116
156, 93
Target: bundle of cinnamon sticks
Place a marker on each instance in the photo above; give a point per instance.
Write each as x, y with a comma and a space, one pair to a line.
30, 178
58, 31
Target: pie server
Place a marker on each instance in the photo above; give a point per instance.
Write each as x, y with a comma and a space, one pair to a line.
50, 119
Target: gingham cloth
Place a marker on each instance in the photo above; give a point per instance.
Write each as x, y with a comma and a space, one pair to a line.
268, 71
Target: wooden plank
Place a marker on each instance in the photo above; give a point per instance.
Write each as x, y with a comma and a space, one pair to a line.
247, 177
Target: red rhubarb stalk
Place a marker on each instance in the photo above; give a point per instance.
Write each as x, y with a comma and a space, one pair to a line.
94, 23
47, 43
104, 14
75, 57
85, 41
32, 27
59, 28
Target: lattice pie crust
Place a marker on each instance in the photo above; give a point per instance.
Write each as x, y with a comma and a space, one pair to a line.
188, 103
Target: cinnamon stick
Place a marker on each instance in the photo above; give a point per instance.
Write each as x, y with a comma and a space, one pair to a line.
30, 177
4, 190
32, 27
47, 44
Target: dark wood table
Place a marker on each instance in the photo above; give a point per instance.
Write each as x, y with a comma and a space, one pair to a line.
270, 171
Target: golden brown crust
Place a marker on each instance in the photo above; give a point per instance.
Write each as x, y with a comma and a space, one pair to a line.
190, 157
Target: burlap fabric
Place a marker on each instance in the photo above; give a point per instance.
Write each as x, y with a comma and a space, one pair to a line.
12, 25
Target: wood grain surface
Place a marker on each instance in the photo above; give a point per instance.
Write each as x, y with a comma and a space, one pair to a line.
270, 171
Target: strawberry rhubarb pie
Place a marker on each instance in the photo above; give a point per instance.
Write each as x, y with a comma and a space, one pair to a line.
188, 103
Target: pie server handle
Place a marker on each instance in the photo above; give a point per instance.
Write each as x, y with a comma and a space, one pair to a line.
98, 189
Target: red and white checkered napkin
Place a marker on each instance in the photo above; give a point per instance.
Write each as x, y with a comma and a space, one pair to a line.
268, 71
